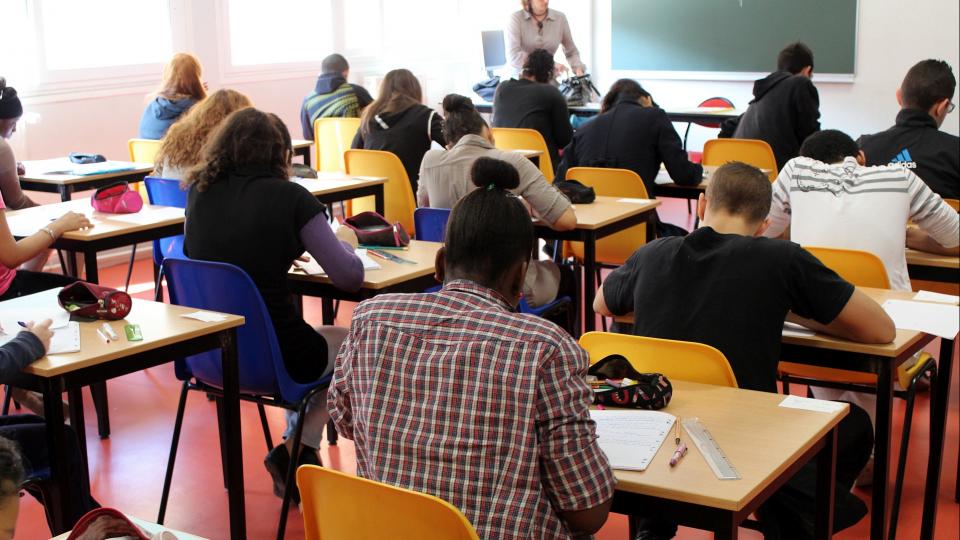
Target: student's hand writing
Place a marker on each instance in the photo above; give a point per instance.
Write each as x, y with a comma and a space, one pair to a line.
304, 258
21, 170
347, 235
42, 331
70, 221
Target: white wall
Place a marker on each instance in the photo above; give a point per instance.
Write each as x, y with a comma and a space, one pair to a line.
891, 39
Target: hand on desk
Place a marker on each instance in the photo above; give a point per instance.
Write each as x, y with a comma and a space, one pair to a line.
42, 331
71, 221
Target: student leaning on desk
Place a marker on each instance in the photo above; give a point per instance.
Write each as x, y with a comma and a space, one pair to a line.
723, 286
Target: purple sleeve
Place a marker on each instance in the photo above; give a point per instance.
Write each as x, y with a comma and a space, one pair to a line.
335, 257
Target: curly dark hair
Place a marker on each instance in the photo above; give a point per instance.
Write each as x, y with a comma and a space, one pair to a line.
539, 65
11, 468
248, 139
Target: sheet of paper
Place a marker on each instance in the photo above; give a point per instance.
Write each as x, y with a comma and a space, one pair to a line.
205, 316
631, 439
32, 307
313, 268
65, 339
634, 201
928, 296
797, 330
90, 169
152, 529
818, 405
941, 320
147, 216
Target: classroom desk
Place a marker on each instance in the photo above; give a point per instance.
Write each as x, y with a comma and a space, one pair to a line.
767, 447
332, 187
693, 114
301, 147
39, 177
390, 278
665, 187
166, 336
601, 218
109, 231
931, 267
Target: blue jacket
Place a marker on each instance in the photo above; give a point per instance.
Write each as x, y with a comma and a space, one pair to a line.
160, 114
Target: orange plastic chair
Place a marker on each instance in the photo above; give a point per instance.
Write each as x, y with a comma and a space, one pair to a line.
681, 360
754, 152
615, 249
331, 138
338, 506
397, 192
525, 139
954, 203
143, 150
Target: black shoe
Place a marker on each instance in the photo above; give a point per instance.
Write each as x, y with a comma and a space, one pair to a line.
277, 463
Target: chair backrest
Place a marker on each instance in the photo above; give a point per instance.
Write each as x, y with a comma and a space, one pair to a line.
397, 192
861, 268
166, 192
331, 138
717, 102
681, 360
337, 506
143, 150
954, 203
228, 289
525, 139
431, 223
616, 248
752, 151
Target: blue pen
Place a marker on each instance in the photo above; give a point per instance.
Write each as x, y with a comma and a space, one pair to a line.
21, 323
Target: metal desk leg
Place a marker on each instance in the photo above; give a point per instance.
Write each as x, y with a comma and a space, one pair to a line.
57, 445
589, 281
727, 529
65, 192
90, 265
75, 398
327, 313
938, 426
826, 480
881, 452
231, 425
380, 201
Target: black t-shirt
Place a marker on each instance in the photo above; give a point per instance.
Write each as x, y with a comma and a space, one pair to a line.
407, 134
253, 221
729, 291
532, 105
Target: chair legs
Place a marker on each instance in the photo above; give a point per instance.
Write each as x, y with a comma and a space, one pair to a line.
266, 426
294, 459
133, 255
332, 434
223, 438
99, 392
173, 452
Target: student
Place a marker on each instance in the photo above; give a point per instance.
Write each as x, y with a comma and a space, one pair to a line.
333, 96
28, 432
182, 88
786, 106
536, 26
10, 169
243, 210
532, 102
398, 122
179, 150
513, 446
828, 198
722, 286
915, 142
631, 132
445, 179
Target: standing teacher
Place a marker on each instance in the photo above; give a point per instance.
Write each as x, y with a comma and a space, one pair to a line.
537, 26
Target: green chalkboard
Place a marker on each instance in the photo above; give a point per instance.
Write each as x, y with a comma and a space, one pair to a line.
731, 35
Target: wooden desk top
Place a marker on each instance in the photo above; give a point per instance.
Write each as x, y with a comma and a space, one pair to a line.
161, 324
922, 258
702, 186
607, 210
39, 171
332, 182
30, 220
529, 154
301, 143
391, 273
760, 444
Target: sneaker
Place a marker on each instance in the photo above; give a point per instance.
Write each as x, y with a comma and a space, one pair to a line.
277, 463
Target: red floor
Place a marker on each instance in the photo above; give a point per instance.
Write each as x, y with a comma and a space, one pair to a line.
127, 470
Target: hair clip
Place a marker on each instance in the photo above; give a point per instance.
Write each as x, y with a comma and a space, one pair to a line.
490, 186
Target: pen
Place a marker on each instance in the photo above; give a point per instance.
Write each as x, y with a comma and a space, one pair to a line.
103, 336
677, 454
108, 330
21, 323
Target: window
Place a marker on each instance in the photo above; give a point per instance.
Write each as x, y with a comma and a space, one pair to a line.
279, 32
104, 33
16, 66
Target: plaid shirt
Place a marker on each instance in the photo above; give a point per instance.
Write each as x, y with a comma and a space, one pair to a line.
454, 395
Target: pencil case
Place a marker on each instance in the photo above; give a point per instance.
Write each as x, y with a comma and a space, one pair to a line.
94, 301
374, 230
117, 198
120, 526
620, 385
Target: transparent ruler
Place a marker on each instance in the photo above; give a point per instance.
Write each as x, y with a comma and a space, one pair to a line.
711, 451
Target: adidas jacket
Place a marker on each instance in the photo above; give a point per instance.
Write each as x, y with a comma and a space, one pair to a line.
915, 143
333, 96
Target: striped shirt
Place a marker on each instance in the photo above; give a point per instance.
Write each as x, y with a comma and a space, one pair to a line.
849, 206
454, 395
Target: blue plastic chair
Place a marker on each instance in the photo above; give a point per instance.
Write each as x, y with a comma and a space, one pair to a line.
166, 192
431, 223
263, 376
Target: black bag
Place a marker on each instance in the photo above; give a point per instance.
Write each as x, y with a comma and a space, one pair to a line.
299, 170
575, 191
81, 158
487, 88
579, 90
651, 391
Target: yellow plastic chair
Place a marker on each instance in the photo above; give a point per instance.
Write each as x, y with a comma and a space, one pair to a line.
338, 506
525, 139
955, 203
331, 138
615, 249
397, 192
751, 151
681, 360
143, 150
